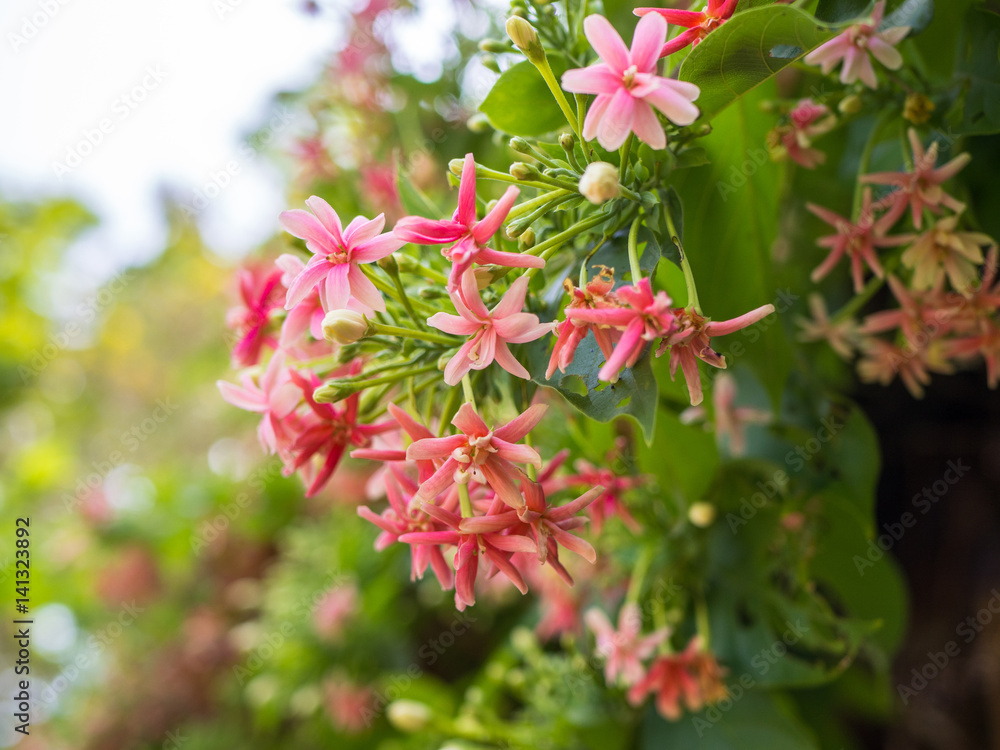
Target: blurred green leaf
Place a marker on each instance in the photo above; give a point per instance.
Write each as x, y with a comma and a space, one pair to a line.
520, 102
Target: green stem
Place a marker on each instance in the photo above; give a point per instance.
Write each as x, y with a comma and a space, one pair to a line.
405, 299
864, 161
464, 501
639, 575
467, 390
528, 206
572, 118
450, 408
491, 174
542, 249
692, 288
389, 289
626, 150
701, 618
581, 111
410, 333
633, 251
337, 390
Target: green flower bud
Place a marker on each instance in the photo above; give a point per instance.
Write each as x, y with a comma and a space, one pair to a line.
478, 123
519, 145
527, 239
850, 104
344, 326
521, 171
409, 716
525, 38
701, 514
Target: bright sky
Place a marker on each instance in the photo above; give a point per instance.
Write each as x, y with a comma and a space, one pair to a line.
109, 100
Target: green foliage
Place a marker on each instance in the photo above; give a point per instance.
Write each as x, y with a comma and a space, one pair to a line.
520, 102
747, 50
980, 64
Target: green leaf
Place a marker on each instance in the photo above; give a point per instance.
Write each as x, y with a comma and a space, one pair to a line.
739, 55
730, 216
413, 199
839, 11
753, 720
917, 14
635, 393
520, 102
979, 62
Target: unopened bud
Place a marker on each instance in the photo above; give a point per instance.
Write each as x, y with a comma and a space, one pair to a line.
701, 514
567, 141
527, 239
478, 123
918, 108
525, 38
409, 716
489, 62
521, 171
850, 104
344, 326
389, 265
494, 46
455, 166
519, 145
769, 106
600, 182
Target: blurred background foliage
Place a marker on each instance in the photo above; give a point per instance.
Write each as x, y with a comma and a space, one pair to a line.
212, 606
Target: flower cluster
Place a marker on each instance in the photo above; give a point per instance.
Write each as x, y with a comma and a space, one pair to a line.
947, 310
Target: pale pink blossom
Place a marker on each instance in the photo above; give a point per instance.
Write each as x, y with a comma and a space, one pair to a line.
469, 234
731, 420
337, 253
624, 649
693, 342
489, 331
857, 240
919, 188
628, 87
273, 395
697, 23
794, 141
853, 46
841, 335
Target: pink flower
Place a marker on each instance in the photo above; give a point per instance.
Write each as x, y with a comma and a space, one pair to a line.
942, 248
646, 318
480, 454
469, 234
336, 255
731, 420
274, 396
693, 342
331, 613
842, 336
350, 706
857, 241
853, 46
627, 86
920, 188
985, 342
624, 649
698, 24
261, 292
551, 526
327, 431
490, 330
595, 295
794, 141
692, 676
883, 361
611, 502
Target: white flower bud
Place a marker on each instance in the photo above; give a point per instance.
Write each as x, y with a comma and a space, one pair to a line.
600, 182
409, 716
701, 514
344, 326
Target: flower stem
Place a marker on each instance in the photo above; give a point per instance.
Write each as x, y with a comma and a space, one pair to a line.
337, 390
528, 206
464, 501
633, 251
550, 80
390, 290
410, 333
626, 150
639, 575
467, 390
701, 620
544, 249
692, 288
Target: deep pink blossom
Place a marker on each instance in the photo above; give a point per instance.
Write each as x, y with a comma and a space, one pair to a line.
489, 331
628, 87
919, 188
337, 253
480, 454
697, 23
261, 292
469, 234
623, 650
856, 240
328, 430
646, 318
794, 141
611, 502
853, 46
595, 295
